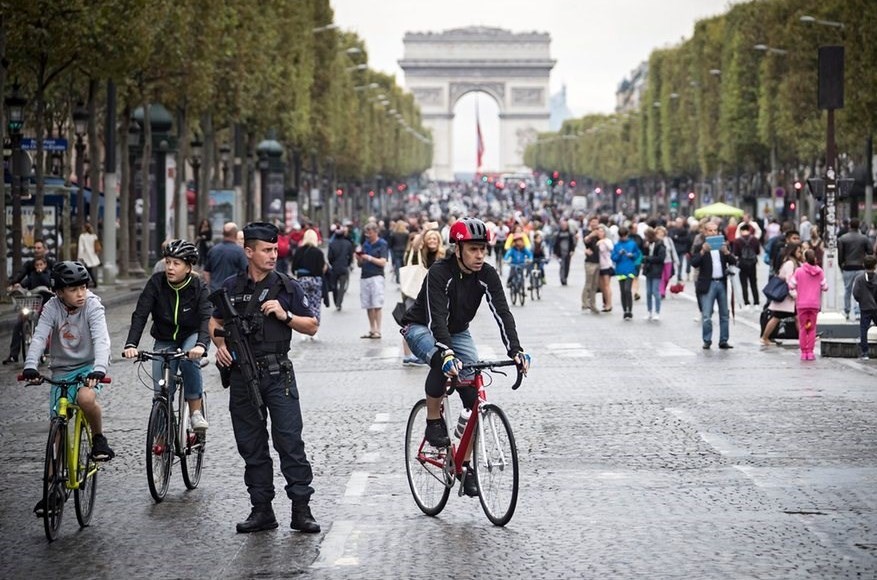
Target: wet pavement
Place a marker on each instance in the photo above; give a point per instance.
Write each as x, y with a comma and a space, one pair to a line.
642, 455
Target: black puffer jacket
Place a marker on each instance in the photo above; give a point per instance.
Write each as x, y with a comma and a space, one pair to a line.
176, 313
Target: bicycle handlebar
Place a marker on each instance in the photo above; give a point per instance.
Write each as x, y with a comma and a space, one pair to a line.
74, 381
165, 355
490, 365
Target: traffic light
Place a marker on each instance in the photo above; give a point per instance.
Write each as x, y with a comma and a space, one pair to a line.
522, 185
798, 187
618, 191
572, 183
371, 192
549, 181
690, 196
339, 192
598, 191
555, 175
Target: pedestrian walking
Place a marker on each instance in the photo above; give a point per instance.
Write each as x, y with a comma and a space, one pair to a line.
806, 286
425, 249
564, 247
308, 267
605, 246
340, 258
670, 259
276, 305
865, 293
653, 268
626, 255
852, 247
225, 259
746, 248
205, 239
372, 259
590, 240
711, 286
88, 252
785, 308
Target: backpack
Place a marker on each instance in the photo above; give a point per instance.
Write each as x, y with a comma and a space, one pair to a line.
748, 256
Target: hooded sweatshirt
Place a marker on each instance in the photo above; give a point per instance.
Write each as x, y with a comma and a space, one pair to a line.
865, 290
807, 284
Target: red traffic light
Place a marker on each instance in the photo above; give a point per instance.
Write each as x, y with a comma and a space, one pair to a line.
598, 190
617, 191
522, 185
572, 183
371, 192
339, 192
555, 175
691, 195
799, 186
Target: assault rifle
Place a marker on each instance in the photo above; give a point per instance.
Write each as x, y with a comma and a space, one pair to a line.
235, 331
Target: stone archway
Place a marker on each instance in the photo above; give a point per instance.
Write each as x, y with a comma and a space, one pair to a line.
513, 68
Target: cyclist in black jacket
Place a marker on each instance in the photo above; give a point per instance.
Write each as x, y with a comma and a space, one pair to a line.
180, 308
436, 327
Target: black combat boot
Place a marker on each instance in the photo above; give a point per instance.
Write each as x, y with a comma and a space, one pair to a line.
261, 518
302, 519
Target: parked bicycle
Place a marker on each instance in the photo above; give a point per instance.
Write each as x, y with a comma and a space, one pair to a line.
169, 432
69, 466
517, 292
432, 472
29, 304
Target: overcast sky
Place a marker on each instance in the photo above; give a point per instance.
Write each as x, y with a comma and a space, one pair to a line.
596, 44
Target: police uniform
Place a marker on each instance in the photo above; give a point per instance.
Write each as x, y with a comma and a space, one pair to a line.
269, 340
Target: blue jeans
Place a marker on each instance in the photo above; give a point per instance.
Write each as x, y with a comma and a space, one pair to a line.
653, 292
422, 344
718, 293
849, 276
191, 370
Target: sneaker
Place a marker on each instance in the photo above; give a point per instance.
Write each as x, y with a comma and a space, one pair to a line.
39, 510
470, 483
198, 422
437, 433
725, 346
647, 316
864, 356
412, 361
656, 317
100, 449
10, 360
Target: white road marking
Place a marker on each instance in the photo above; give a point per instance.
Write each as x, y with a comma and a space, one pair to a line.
569, 350
355, 487
332, 548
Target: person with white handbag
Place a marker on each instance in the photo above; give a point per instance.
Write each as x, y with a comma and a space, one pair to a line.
422, 251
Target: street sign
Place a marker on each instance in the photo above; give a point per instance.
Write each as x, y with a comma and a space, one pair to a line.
29, 144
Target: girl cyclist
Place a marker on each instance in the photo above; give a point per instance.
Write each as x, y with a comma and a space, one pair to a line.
180, 308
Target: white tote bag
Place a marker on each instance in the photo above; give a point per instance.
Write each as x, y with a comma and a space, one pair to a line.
411, 277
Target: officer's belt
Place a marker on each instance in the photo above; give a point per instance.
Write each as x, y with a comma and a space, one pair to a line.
271, 363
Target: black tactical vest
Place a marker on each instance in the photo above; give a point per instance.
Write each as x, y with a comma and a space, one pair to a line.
268, 334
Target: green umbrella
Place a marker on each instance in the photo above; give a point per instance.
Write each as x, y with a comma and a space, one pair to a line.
718, 209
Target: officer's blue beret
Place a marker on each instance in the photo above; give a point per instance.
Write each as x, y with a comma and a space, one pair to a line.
261, 231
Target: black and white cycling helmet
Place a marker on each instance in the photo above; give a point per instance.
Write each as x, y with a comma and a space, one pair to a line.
66, 274
181, 250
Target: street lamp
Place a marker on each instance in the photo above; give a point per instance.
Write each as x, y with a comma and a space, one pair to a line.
195, 155
814, 20
357, 67
80, 127
332, 26
770, 49
224, 156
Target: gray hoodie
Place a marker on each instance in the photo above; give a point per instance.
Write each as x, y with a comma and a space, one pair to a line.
79, 338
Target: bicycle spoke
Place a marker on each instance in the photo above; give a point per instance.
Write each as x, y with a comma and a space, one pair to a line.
159, 451
86, 476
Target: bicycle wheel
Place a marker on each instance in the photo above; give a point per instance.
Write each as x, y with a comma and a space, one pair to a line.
159, 450
26, 336
192, 456
86, 474
522, 293
495, 459
538, 285
424, 465
54, 494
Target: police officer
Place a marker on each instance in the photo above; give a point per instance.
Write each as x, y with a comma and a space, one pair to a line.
274, 306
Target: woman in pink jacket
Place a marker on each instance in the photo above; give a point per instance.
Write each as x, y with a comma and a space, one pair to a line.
806, 286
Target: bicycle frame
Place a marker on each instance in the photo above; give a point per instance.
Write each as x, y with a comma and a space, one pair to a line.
66, 409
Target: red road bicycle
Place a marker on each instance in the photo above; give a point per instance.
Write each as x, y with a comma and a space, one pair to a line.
432, 471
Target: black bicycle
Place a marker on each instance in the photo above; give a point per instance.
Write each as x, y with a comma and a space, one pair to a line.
169, 432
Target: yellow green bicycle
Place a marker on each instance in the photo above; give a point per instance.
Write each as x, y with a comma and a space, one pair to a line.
69, 466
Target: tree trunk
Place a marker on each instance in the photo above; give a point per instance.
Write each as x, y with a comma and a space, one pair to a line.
94, 169
182, 202
4, 250
124, 195
146, 192
205, 180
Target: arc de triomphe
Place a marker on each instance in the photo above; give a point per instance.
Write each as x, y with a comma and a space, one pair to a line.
513, 68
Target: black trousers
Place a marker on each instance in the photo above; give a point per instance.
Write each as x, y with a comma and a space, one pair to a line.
748, 281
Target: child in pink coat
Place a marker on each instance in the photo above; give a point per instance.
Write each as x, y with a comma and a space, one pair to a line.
806, 286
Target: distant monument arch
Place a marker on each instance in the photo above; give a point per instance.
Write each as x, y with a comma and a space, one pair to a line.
513, 68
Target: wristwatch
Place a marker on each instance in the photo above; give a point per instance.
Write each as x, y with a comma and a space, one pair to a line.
288, 316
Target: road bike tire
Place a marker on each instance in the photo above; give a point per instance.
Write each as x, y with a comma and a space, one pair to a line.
159, 451
522, 292
54, 494
495, 458
86, 473
428, 482
192, 458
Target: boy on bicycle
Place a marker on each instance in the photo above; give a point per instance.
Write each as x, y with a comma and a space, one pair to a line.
179, 304
436, 327
38, 277
519, 256
80, 345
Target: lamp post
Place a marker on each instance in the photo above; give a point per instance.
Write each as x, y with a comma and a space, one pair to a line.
80, 126
271, 177
774, 170
14, 122
195, 152
224, 157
